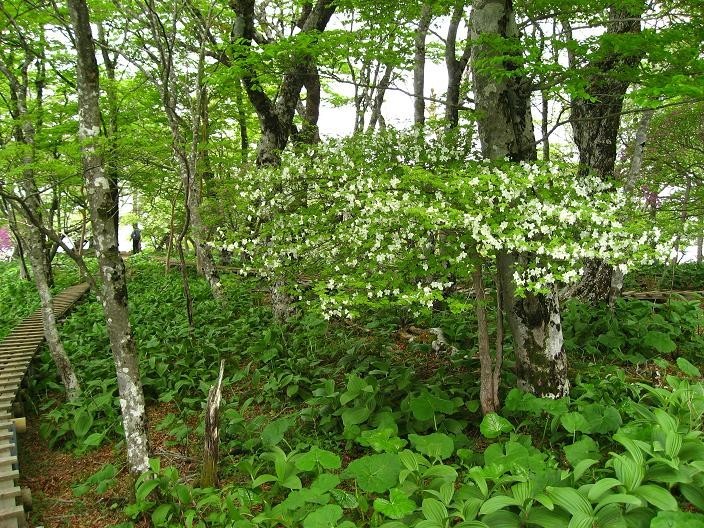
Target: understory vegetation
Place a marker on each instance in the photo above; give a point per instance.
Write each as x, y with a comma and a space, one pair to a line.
367, 424
354, 263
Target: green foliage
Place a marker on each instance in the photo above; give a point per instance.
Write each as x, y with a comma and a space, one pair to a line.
686, 276
367, 439
635, 330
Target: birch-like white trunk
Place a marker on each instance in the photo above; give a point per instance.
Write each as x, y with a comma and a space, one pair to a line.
51, 332
112, 268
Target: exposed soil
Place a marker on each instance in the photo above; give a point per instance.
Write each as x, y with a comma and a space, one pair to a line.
51, 473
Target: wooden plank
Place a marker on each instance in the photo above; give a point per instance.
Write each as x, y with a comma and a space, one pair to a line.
9, 475
16, 353
10, 493
10, 515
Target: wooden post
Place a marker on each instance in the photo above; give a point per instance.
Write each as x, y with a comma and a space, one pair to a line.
209, 474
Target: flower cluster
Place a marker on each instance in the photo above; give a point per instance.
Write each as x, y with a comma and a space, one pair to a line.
392, 220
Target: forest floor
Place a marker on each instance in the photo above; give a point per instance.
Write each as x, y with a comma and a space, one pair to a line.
346, 388
52, 474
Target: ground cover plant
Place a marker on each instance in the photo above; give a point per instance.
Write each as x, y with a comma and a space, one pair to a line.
356, 263
333, 424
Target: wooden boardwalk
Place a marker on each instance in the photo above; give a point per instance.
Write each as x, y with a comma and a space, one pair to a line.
16, 352
664, 295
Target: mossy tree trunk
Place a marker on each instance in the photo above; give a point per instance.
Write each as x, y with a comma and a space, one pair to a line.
113, 293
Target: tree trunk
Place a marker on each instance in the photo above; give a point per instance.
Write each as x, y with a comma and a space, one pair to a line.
276, 116
31, 207
112, 268
700, 249
24, 272
51, 333
242, 122
489, 367
111, 170
544, 122
595, 125
426, 16
541, 362
187, 156
209, 474
455, 67
384, 84
506, 130
19, 246
203, 251
631, 181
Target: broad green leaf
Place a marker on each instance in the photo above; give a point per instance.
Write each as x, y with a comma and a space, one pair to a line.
619, 498
493, 425
145, 488
582, 467
317, 456
686, 367
502, 519
398, 506
582, 449
628, 471
325, 482
274, 432
667, 519
570, 499
694, 494
436, 445
575, 422
356, 416
660, 342
544, 518
434, 510
375, 473
496, 503
581, 520
602, 486
160, 515
82, 423
344, 498
659, 497
324, 517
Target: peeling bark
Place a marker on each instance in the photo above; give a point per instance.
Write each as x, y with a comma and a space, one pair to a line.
209, 474
112, 268
541, 362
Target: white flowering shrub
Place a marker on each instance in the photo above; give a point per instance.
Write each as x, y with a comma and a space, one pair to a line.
382, 220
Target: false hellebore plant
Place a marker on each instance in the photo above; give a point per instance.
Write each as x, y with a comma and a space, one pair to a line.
397, 219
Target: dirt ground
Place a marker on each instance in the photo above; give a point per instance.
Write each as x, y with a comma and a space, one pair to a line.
51, 473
